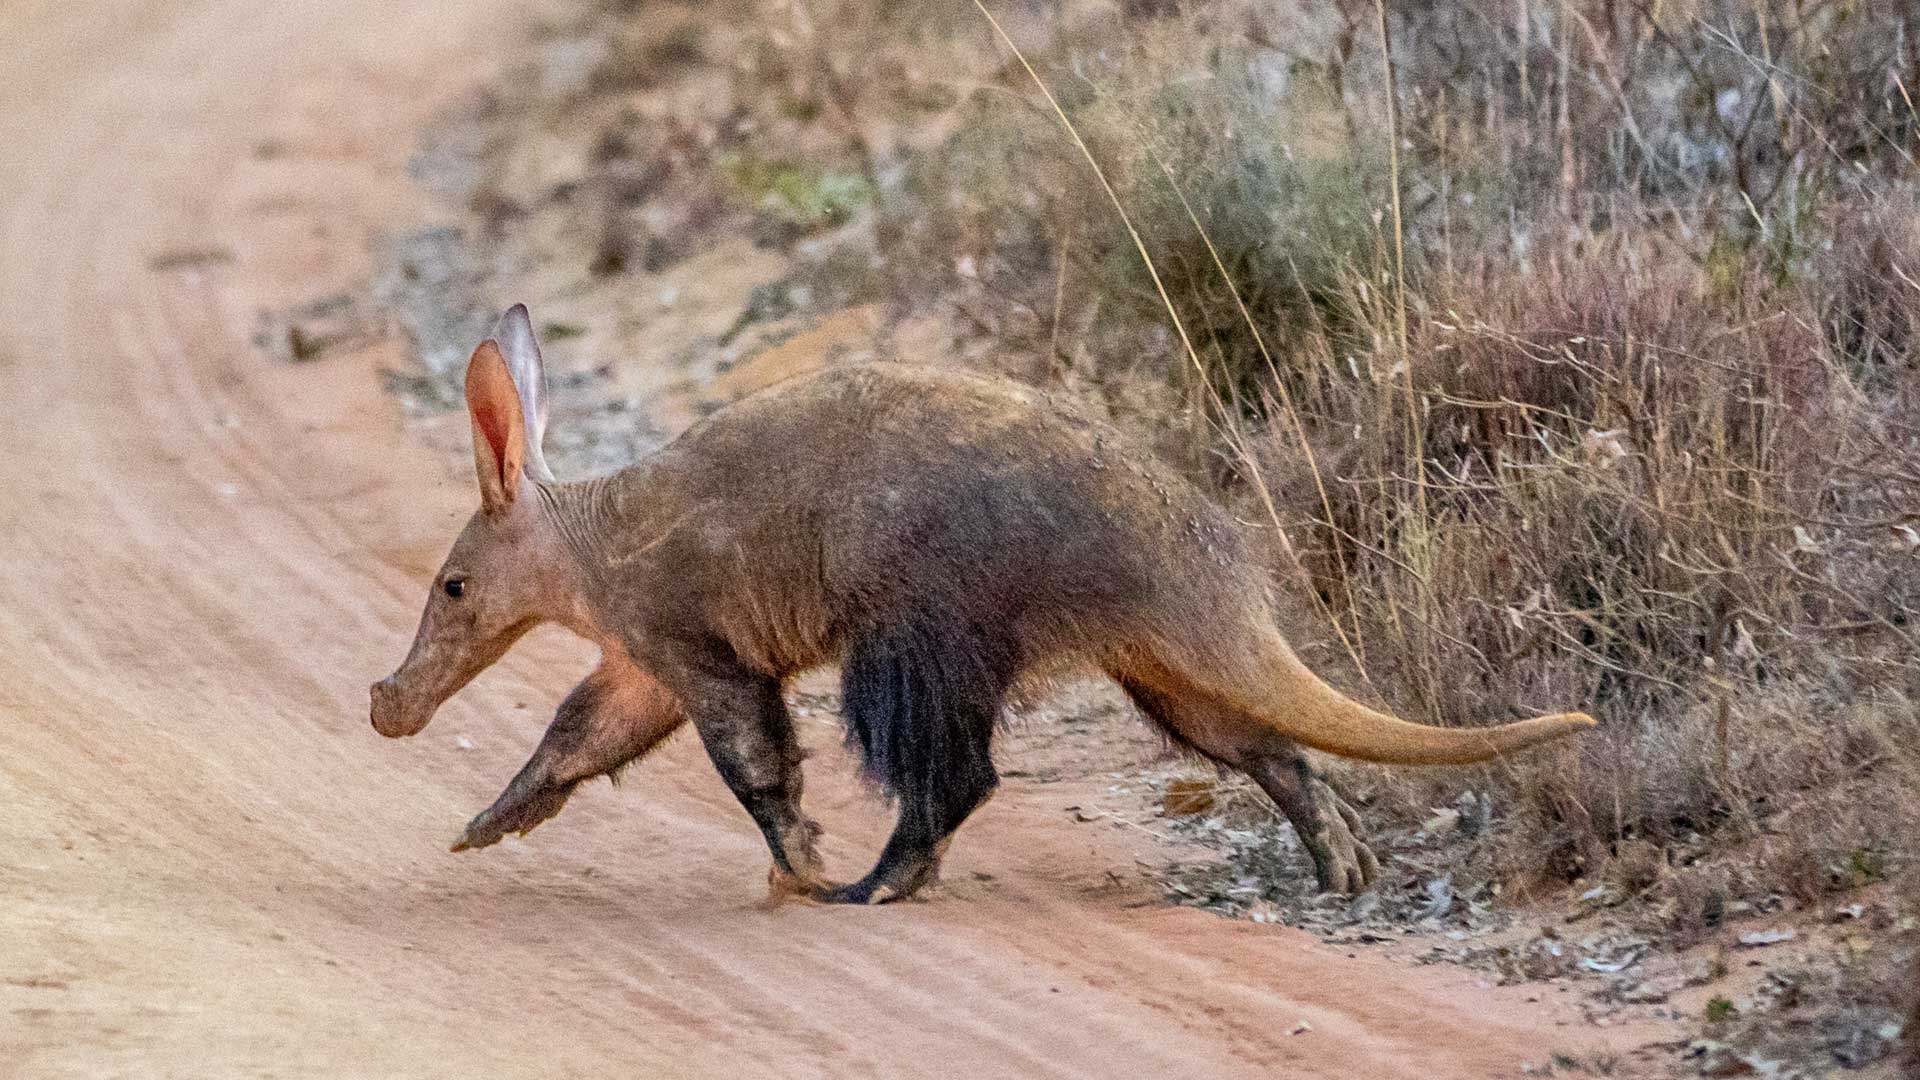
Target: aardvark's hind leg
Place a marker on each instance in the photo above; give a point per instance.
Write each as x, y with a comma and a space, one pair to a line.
1327, 826
613, 717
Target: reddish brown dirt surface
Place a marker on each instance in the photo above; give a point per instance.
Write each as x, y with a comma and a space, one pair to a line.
211, 866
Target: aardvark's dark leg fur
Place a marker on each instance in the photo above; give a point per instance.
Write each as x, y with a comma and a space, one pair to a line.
749, 736
921, 704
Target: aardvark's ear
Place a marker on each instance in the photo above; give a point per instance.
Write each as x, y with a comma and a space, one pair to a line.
522, 351
499, 428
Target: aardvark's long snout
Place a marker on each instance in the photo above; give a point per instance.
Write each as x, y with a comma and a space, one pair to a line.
395, 711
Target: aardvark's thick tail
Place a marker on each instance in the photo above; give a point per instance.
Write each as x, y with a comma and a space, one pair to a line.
1301, 706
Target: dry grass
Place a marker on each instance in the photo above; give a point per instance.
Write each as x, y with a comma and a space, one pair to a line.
1608, 402
1664, 498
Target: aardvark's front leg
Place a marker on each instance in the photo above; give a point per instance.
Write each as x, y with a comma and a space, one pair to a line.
614, 716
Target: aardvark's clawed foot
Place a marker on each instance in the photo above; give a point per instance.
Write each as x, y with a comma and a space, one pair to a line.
888, 882
864, 891
799, 875
517, 810
1342, 862
784, 885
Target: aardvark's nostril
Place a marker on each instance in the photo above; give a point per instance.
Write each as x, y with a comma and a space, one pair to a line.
396, 708
380, 700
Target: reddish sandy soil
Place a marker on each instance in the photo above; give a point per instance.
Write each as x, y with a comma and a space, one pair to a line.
211, 866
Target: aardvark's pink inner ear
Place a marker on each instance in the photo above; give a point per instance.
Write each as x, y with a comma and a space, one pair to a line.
499, 429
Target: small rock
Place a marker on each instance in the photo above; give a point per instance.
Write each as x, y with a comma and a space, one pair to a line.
1602, 896
1612, 965
1756, 939
1719, 1059
1475, 810
1301, 1028
1642, 993
462, 742
1863, 1046
1700, 973
1364, 906
1542, 958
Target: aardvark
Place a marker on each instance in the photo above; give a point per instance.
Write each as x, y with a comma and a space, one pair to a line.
939, 534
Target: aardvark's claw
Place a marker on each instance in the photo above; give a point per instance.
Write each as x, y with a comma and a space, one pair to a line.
514, 812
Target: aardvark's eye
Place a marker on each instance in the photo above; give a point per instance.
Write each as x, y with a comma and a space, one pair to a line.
455, 587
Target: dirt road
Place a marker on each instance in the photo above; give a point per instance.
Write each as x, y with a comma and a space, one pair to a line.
211, 866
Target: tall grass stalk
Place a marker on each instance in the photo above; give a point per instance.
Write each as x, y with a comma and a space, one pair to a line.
1246, 454
1113, 196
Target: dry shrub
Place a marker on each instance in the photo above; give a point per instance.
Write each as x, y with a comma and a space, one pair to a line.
1193, 125
1633, 488
1736, 113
